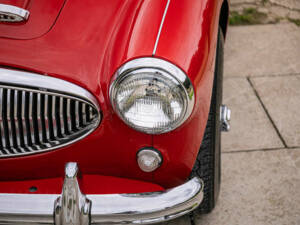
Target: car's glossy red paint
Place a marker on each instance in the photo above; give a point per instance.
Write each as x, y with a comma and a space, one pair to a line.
195, 22
92, 184
88, 42
43, 14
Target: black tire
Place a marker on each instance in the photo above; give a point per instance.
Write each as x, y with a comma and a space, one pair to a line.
208, 163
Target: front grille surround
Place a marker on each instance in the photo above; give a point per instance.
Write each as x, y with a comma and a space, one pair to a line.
39, 113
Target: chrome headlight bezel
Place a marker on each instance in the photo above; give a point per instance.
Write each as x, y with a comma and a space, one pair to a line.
164, 68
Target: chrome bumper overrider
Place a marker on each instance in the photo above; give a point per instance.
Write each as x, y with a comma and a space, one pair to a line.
73, 207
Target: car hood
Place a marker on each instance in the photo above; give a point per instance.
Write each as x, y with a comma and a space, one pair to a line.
86, 43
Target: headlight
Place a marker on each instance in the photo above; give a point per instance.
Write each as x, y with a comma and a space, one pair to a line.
152, 95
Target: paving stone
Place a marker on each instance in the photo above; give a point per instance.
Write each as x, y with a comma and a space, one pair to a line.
261, 188
262, 50
233, 2
291, 4
294, 15
250, 126
281, 97
279, 11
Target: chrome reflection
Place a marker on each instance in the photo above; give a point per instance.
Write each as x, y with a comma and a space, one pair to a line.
73, 207
225, 115
39, 113
12, 14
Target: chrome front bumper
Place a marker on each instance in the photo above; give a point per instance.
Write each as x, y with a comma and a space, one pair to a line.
73, 207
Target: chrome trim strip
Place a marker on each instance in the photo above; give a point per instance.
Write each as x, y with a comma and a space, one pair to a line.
45, 84
10, 13
160, 27
26, 208
146, 208
142, 208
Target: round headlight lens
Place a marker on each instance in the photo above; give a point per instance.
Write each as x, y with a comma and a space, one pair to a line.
152, 95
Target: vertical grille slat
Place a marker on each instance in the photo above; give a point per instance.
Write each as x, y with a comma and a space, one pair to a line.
69, 115
19, 118
3, 141
42, 116
16, 121
34, 120
24, 120
46, 114
30, 119
84, 114
39, 118
77, 114
8, 118
53, 117
4, 120
13, 127
50, 120
61, 116
1, 130
57, 117
91, 113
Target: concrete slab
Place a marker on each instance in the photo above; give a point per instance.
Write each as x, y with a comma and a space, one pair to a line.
250, 126
281, 97
294, 15
233, 2
262, 50
290, 4
260, 188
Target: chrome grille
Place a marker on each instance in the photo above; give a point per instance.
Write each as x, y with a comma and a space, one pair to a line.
34, 118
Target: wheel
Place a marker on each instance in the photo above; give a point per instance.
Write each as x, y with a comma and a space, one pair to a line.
208, 163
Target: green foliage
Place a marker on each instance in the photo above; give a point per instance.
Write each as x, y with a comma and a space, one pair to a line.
247, 17
295, 21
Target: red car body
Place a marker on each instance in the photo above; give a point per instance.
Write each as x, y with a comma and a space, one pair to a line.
85, 42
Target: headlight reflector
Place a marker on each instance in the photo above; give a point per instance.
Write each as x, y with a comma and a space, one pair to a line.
152, 95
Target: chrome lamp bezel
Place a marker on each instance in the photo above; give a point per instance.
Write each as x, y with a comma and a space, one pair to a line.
165, 68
